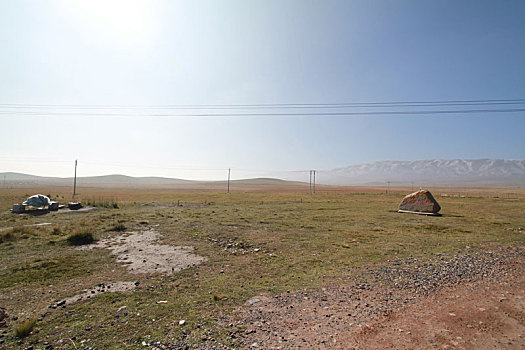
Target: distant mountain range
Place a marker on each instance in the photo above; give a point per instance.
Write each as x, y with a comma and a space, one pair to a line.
508, 172
446, 172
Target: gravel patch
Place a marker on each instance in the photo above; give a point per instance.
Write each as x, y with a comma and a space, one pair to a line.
101, 288
321, 318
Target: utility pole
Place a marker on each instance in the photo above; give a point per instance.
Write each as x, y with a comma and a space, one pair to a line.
412, 186
314, 179
229, 171
388, 188
75, 181
310, 191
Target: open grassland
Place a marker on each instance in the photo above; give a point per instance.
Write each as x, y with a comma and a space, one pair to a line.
259, 241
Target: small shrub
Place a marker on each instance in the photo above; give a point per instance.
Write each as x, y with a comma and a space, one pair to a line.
56, 230
7, 236
119, 228
81, 238
115, 205
22, 330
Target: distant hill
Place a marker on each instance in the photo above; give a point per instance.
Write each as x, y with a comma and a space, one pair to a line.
19, 178
479, 172
437, 172
116, 179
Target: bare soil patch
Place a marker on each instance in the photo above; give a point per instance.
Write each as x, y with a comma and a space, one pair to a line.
470, 301
142, 254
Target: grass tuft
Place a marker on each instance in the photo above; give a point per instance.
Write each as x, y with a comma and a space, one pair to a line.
13, 233
118, 228
103, 204
7, 236
22, 330
81, 237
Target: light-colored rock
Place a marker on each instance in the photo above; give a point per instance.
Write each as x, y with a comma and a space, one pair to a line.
253, 301
420, 201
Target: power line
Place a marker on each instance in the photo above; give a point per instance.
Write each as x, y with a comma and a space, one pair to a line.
267, 110
255, 107
278, 105
282, 114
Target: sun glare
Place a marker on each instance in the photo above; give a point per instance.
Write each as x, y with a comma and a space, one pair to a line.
129, 20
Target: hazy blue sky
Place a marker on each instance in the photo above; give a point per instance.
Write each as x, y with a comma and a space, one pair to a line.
156, 53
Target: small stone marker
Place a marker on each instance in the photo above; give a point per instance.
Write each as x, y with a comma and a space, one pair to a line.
421, 201
19, 208
74, 205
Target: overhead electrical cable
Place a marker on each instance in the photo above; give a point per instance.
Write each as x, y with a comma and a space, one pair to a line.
269, 110
269, 114
278, 105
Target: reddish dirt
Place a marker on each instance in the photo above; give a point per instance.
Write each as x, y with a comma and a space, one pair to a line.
484, 309
481, 315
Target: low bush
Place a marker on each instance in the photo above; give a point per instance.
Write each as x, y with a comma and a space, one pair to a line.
81, 238
7, 236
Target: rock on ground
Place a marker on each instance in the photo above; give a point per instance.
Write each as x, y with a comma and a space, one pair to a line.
420, 201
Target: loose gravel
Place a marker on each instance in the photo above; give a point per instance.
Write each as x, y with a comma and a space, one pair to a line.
317, 319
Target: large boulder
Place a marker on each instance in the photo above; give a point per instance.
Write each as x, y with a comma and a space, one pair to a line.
421, 201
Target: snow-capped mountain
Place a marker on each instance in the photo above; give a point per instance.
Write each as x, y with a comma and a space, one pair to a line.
433, 171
